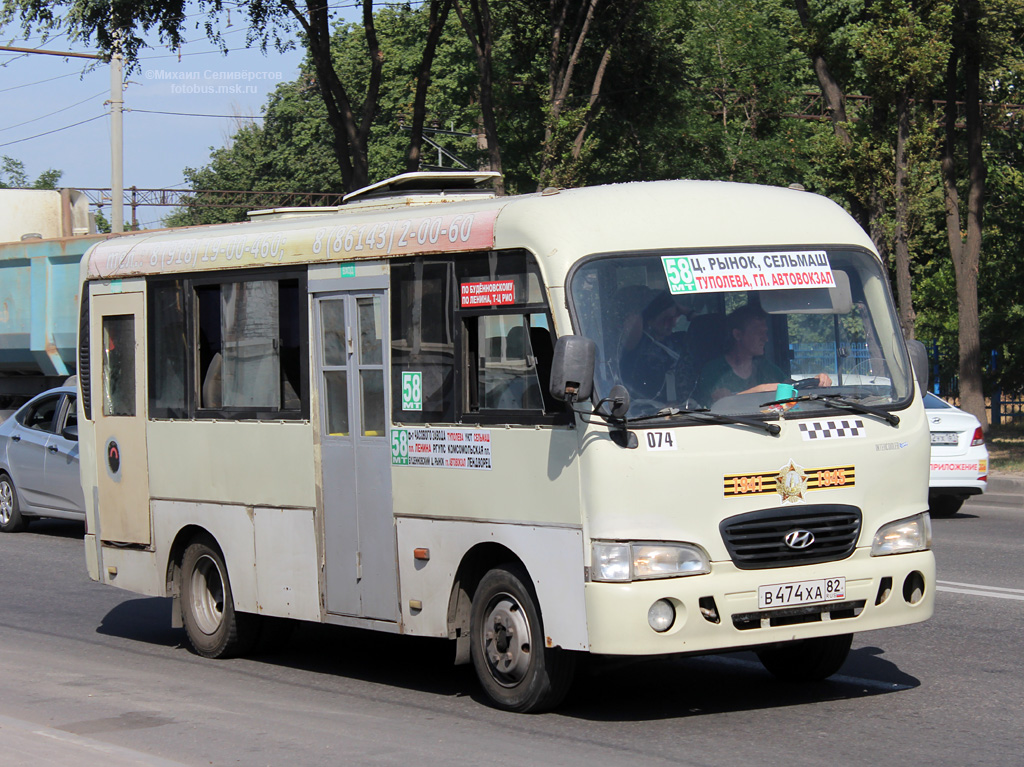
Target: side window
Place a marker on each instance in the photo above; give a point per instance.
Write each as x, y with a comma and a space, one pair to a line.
119, 365
40, 416
168, 349
504, 361
422, 342
232, 348
70, 415
507, 346
471, 340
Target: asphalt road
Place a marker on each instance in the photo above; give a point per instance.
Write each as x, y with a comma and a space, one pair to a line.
93, 675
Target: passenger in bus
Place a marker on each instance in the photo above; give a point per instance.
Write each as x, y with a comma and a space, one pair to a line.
655, 361
744, 369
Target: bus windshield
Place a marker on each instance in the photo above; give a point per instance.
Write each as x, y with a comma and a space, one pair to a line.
737, 333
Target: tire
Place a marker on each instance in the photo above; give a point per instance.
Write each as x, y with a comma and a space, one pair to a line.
807, 660
944, 505
515, 669
213, 627
11, 520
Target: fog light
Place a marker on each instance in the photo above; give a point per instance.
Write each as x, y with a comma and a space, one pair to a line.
661, 616
913, 588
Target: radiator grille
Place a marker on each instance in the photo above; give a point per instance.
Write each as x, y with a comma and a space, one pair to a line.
756, 540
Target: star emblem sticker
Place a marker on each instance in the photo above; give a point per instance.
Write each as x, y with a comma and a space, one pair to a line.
791, 483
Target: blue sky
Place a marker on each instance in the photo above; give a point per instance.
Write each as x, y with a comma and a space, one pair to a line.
41, 93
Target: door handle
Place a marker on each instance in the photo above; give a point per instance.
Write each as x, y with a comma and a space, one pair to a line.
15, 438
53, 449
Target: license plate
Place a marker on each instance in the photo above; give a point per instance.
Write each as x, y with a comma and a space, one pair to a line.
801, 593
945, 437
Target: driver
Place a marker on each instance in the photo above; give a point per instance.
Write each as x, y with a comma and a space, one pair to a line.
655, 361
744, 369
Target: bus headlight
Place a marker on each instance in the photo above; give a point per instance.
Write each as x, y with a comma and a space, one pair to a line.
623, 562
903, 536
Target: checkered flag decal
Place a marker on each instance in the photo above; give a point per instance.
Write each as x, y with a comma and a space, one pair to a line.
840, 428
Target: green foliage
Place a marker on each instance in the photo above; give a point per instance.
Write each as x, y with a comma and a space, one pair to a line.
13, 176
102, 225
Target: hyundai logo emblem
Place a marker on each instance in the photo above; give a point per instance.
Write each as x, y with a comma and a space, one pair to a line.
799, 539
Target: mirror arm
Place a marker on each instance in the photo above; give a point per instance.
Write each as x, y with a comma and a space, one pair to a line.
617, 430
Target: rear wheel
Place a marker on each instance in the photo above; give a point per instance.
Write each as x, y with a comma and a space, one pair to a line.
11, 520
944, 505
515, 669
213, 627
807, 660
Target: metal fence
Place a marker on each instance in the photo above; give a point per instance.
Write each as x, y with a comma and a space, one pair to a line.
1003, 407
810, 359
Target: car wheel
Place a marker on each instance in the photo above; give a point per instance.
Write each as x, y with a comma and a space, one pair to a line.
515, 669
807, 660
213, 627
11, 520
944, 505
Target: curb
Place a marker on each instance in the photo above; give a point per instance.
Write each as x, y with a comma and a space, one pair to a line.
1005, 485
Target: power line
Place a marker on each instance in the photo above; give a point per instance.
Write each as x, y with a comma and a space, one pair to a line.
197, 53
195, 114
55, 130
39, 82
51, 114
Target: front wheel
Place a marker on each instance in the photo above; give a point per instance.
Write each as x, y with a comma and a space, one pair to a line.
944, 505
516, 670
213, 627
11, 520
807, 660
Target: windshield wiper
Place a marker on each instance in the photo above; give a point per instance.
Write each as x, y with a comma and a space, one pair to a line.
841, 402
703, 414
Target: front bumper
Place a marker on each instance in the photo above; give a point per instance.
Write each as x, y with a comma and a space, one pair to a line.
617, 613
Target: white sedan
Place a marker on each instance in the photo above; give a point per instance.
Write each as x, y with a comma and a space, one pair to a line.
959, 465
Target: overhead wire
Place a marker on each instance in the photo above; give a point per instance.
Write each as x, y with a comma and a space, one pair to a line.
55, 130
58, 111
195, 114
38, 82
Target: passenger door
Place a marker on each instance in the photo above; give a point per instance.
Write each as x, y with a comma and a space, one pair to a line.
26, 451
118, 407
359, 533
63, 479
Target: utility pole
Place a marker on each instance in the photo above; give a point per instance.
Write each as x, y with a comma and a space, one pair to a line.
116, 137
116, 130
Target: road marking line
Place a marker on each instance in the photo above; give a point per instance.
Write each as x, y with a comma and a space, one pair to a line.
979, 592
976, 586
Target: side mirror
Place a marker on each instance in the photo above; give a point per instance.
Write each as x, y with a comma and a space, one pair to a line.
70, 433
572, 369
919, 359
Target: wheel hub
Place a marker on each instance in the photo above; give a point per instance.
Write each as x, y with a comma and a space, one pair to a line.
507, 641
207, 595
6, 502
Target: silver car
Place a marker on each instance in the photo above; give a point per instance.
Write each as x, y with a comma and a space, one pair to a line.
39, 461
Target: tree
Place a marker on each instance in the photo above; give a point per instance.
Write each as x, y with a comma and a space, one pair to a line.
13, 176
904, 49
290, 149
571, 23
119, 26
476, 20
965, 249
